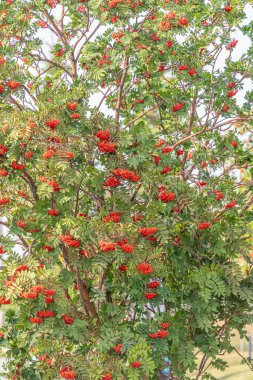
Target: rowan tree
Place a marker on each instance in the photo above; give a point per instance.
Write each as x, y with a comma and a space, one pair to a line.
126, 185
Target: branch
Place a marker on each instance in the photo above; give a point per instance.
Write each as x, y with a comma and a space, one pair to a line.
193, 110
246, 360
120, 92
56, 64
84, 31
87, 40
89, 307
248, 204
78, 195
105, 95
135, 193
29, 93
14, 101
201, 366
24, 243
143, 114
211, 93
58, 32
85, 298
4, 224
31, 183
206, 130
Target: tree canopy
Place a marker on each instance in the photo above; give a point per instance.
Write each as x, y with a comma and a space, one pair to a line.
126, 184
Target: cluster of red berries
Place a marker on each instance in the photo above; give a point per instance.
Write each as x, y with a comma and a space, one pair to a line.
16, 166
4, 201
23, 194
48, 295
228, 8
85, 253
28, 155
204, 225
68, 373
48, 248
165, 195
115, 3
231, 204
166, 170
46, 359
51, 183
13, 278
40, 315
161, 333
169, 23
125, 247
191, 72
177, 107
126, 174
232, 44
50, 152
166, 149
4, 301
150, 296
122, 173
136, 218
118, 348
103, 135
45, 313
136, 364
52, 3
218, 194
145, 268
72, 106
36, 290
21, 224
107, 376
42, 24
152, 285
107, 246
67, 319
2, 251
112, 182
13, 84
70, 241
104, 145
29, 295
113, 216
117, 36
52, 124
53, 212
147, 231
3, 150
60, 52
104, 60
232, 93
3, 172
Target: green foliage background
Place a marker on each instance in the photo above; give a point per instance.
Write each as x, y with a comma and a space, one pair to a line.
203, 292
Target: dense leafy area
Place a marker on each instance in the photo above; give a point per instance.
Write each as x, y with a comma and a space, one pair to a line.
126, 184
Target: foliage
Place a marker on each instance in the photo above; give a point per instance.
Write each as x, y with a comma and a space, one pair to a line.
121, 146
